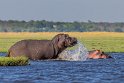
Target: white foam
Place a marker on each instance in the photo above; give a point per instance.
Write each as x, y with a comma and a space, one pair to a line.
80, 53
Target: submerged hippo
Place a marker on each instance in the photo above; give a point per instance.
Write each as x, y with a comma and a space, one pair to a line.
71, 55
42, 49
98, 54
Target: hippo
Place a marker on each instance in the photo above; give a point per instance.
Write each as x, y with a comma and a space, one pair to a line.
98, 54
42, 49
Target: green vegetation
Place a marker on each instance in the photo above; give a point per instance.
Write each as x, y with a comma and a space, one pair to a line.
13, 61
49, 26
106, 41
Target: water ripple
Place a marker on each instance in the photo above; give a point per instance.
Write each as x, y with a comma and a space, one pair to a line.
51, 71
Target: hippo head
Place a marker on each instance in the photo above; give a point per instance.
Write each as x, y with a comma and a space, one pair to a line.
98, 54
64, 41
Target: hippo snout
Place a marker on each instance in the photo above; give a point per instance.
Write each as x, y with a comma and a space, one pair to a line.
74, 40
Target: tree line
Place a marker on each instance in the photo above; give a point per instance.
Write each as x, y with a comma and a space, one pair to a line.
50, 26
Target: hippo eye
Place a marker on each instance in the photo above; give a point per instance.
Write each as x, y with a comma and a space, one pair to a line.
66, 36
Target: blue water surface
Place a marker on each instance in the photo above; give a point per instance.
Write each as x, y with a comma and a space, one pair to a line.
53, 71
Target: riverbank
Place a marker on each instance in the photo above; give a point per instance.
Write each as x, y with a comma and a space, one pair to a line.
106, 41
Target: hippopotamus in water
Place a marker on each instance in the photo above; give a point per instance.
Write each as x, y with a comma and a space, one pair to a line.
94, 54
98, 54
42, 49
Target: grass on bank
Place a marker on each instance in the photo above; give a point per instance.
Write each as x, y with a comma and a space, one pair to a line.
13, 61
106, 41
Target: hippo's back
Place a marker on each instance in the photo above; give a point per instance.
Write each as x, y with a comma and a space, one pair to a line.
33, 49
17, 48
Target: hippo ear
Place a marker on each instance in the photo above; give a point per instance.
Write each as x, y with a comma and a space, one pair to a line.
55, 40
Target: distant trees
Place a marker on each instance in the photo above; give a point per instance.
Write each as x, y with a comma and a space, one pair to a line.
49, 26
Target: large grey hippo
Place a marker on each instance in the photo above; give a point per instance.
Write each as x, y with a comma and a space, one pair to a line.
42, 49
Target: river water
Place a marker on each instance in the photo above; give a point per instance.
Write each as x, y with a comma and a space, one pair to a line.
55, 71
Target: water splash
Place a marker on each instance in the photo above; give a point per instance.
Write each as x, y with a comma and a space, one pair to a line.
80, 53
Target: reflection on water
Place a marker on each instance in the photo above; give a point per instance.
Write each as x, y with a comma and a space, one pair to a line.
52, 71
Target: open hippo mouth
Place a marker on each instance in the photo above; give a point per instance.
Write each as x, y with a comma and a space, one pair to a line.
71, 41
